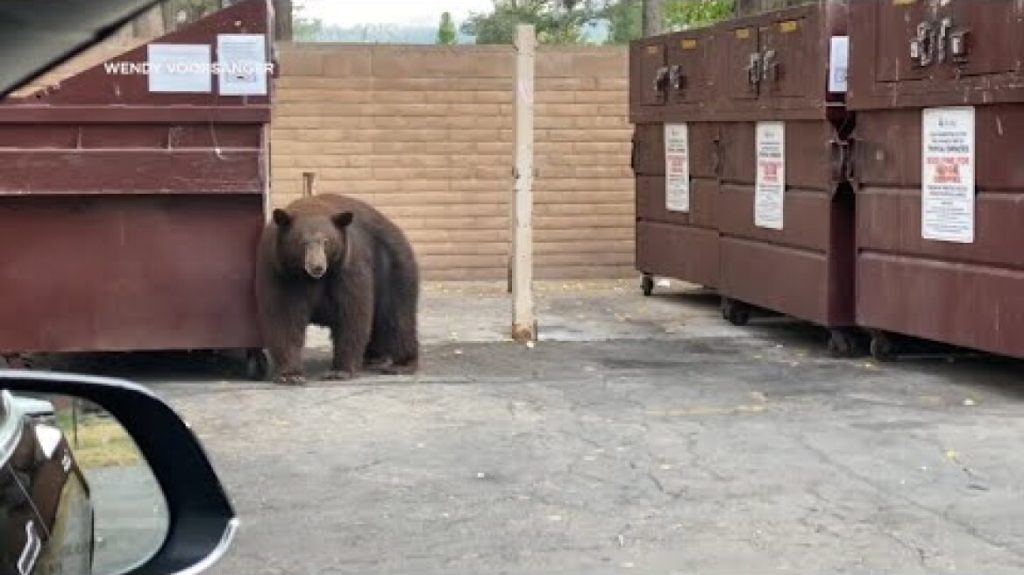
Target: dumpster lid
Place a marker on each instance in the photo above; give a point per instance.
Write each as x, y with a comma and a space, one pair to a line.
37, 36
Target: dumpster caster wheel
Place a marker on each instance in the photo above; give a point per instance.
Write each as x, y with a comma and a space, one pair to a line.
257, 365
647, 284
736, 313
842, 344
882, 348
17, 361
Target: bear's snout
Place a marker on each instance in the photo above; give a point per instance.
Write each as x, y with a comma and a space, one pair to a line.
316, 260
316, 270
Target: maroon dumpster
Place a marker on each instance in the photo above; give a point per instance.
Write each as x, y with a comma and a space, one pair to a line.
132, 196
785, 212
675, 158
939, 96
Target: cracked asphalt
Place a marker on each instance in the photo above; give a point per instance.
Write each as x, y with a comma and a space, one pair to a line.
640, 435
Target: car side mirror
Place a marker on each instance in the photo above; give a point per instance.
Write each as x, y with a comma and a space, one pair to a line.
100, 476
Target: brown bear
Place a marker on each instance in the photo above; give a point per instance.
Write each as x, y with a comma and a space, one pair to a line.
336, 262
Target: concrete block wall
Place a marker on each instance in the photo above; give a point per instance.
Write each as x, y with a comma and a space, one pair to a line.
425, 134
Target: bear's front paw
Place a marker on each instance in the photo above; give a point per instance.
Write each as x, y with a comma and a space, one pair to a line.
292, 379
337, 375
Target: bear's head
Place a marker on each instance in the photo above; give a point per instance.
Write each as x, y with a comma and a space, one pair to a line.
312, 243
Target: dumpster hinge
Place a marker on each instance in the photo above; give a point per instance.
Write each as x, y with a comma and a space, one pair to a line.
842, 160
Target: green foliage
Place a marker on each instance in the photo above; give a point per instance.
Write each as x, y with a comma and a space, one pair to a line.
555, 21
696, 13
305, 29
446, 32
625, 18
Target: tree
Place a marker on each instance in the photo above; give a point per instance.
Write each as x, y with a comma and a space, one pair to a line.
555, 21
150, 24
283, 20
654, 17
695, 13
306, 29
446, 32
625, 18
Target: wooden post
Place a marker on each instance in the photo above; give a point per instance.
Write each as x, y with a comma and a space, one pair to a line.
308, 184
524, 326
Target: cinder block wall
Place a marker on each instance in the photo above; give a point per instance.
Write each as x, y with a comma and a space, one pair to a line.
425, 134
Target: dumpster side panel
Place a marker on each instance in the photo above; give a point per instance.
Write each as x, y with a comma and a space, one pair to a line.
963, 291
704, 198
805, 269
126, 273
129, 219
649, 149
681, 252
959, 293
680, 245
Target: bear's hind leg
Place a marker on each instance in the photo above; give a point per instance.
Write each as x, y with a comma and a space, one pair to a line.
402, 342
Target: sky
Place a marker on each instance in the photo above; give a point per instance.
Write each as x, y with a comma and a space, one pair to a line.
418, 12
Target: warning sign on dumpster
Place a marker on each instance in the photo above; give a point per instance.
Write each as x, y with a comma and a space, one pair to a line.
947, 176
770, 187
677, 168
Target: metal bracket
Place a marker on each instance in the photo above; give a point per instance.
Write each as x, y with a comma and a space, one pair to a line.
661, 79
676, 78
943, 36
842, 165
754, 69
958, 44
770, 66
922, 46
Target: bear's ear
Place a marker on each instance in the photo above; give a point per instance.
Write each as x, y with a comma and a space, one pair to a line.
342, 220
281, 218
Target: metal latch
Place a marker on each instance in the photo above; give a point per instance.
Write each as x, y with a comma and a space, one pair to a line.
770, 66
754, 69
676, 78
958, 44
944, 27
842, 160
922, 47
661, 79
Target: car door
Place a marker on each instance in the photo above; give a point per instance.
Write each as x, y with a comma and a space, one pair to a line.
46, 514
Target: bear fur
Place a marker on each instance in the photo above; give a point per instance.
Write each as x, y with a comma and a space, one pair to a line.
336, 262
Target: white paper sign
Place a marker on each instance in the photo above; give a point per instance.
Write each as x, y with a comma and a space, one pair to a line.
838, 63
947, 174
677, 168
179, 68
242, 64
770, 186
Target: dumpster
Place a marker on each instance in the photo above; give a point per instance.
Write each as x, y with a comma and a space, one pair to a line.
675, 158
132, 197
939, 97
785, 211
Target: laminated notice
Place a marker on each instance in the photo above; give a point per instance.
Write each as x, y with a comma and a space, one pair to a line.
770, 186
677, 168
947, 175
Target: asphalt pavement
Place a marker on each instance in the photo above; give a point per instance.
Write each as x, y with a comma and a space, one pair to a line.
639, 435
